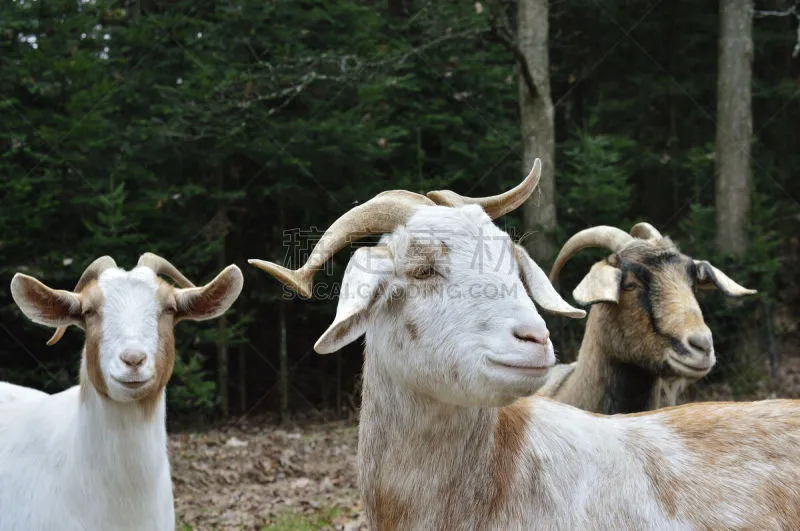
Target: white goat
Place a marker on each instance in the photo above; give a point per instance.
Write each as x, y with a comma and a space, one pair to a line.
645, 334
94, 457
453, 343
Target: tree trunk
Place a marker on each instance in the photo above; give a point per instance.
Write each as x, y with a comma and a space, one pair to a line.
283, 350
734, 125
223, 362
283, 353
538, 128
242, 380
222, 353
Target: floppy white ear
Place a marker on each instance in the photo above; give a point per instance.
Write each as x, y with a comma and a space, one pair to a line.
601, 284
539, 287
362, 287
709, 276
44, 305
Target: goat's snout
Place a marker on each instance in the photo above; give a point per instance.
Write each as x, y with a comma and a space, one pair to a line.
133, 359
701, 342
535, 333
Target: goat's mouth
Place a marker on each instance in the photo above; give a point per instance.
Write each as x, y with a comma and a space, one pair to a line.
528, 369
695, 368
132, 384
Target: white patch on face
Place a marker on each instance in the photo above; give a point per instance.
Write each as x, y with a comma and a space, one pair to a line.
467, 325
129, 325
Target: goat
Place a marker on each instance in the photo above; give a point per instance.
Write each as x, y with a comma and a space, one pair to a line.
95, 456
449, 439
645, 333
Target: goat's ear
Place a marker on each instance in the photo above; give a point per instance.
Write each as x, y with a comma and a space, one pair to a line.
601, 284
363, 286
539, 287
43, 305
211, 300
709, 277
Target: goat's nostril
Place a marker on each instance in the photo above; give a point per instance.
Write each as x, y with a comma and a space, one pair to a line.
133, 358
702, 342
536, 337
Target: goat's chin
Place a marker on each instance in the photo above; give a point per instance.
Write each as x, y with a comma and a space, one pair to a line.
688, 368
507, 386
124, 392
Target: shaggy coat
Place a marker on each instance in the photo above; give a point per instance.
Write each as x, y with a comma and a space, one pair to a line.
447, 442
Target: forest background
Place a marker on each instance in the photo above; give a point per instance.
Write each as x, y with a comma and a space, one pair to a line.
211, 132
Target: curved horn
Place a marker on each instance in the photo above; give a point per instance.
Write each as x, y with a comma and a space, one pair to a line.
160, 266
383, 213
601, 236
91, 272
645, 231
496, 205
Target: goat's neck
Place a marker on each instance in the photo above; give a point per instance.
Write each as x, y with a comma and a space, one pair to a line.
600, 384
123, 440
414, 450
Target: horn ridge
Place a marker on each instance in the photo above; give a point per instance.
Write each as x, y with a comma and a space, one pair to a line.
497, 205
381, 214
604, 236
161, 266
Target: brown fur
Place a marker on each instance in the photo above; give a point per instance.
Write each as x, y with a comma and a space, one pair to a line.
92, 299
389, 509
654, 466
50, 305
509, 439
624, 333
413, 331
165, 358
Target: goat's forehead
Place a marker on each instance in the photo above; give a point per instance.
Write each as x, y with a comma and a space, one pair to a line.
664, 268
461, 228
118, 281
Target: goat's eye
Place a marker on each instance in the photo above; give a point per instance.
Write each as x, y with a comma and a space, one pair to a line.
169, 310
89, 313
629, 286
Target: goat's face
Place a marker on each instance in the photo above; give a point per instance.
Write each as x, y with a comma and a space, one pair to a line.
648, 292
445, 301
128, 317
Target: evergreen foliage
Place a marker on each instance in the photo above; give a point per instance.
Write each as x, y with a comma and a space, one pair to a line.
200, 130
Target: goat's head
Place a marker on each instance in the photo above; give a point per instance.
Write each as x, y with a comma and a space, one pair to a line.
647, 288
444, 297
128, 317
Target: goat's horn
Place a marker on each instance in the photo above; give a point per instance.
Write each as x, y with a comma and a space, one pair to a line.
91, 272
601, 236
645, 231
381, 214
496, 205
160, 266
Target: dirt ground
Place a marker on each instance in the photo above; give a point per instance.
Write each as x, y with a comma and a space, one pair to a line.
260, 476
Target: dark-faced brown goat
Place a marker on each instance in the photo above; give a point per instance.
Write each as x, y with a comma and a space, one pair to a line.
645, 333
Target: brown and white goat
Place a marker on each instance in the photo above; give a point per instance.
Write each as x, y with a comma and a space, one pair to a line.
645, 334
95, 456
454, 343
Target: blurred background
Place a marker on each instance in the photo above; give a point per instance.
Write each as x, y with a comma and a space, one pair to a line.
200, 130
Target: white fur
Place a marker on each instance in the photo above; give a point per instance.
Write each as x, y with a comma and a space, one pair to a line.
13, 393
130, 321
76, 461
76, 465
